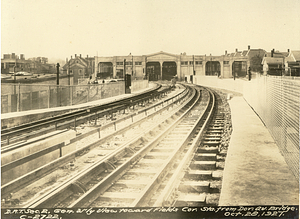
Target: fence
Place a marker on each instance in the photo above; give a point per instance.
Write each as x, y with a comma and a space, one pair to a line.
277, 100
22, 97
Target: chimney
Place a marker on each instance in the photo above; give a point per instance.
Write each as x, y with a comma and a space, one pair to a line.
66, 60
75, 55
87, 56
248, 47
71, 57
225, 52
272, 52
80, 55
236, 50
288, 50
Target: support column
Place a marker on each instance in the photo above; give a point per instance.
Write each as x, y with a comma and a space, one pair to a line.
203, 67
221, 69
179, 71
144, 64
161, 63
230, 68
114, 62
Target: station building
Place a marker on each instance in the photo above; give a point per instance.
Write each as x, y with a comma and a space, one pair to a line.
165, 66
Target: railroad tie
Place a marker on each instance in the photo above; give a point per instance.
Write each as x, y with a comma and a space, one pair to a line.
194, 186
207, 149
191, 200
205, 157
120, 196
203, 165
198, 174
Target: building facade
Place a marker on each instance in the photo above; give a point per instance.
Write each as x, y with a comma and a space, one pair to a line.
11, 63
165, 66
282, 63
82, 69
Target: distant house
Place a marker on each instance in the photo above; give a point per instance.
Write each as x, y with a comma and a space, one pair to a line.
273, 65
40, 65
282, 63
292, 63
12, 63
81, 68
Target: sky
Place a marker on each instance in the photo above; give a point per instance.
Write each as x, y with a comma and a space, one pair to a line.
59, 29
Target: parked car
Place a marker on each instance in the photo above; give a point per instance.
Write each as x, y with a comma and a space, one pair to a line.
22, 73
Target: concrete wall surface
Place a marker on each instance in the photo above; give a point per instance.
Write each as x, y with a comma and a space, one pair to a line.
214, 81
276, 100
17, 169
137, 85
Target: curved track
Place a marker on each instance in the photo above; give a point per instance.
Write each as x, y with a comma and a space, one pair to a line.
174, 162
14, 136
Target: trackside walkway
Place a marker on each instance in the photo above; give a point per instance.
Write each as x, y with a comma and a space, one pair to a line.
255, 172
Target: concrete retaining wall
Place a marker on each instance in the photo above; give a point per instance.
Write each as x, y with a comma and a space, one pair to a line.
13, 168
227, 84
137, 85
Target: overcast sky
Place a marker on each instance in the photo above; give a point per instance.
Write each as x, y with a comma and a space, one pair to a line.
61, 28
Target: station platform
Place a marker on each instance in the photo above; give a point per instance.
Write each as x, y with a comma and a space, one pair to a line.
255, 172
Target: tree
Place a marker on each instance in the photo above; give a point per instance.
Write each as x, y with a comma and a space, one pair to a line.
255, 63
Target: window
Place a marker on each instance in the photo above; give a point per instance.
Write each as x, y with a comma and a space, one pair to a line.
198, 62
138, 63
119, 63
226, 62
128, 63
191, 62
184, 63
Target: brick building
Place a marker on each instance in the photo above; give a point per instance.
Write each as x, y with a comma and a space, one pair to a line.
81, 68
11, 63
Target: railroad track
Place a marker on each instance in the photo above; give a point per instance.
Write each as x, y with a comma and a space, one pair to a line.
147, 162
197, 180
22, 133
175, 163
103, 137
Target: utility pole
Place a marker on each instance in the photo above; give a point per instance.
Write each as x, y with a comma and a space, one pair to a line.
57, 74
57, 83
124, 71
132, 67
193, 65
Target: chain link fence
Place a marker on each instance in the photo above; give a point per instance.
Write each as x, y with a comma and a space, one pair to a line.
22, 97
277, 101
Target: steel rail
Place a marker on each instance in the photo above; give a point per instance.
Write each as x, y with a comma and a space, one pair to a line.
103, 185
6, 133
101, 164
46, 169
173, 183
78, 117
